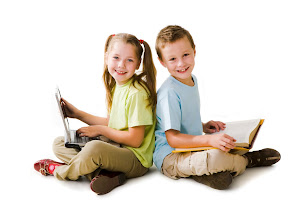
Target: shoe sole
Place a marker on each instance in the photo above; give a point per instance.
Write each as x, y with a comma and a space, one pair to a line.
219, 181
103, 184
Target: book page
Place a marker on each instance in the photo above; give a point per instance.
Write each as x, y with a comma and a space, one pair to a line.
240, 130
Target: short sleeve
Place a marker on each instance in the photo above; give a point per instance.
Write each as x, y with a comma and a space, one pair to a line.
169, 111
138, 111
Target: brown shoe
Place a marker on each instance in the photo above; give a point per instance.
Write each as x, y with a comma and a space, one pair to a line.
220, 181
106, 181
264, 157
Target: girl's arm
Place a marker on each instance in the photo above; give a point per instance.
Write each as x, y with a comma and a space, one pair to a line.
73, 112
92, 119
180, 140
133, 137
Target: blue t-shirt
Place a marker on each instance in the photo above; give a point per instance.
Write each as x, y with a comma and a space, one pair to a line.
178, 108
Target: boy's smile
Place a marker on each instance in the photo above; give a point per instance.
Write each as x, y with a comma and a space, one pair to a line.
179, 58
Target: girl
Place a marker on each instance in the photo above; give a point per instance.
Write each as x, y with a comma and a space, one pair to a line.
131, 100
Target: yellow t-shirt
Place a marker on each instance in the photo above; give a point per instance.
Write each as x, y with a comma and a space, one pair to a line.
129, 109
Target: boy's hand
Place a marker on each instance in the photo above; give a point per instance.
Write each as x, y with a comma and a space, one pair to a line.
68, 109
213, 126
222, 141
89, 131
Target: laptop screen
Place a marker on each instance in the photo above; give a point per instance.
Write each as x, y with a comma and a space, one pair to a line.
62, 113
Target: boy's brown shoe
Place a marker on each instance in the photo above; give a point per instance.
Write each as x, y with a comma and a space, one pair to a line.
106, 181
220, 181
264, 157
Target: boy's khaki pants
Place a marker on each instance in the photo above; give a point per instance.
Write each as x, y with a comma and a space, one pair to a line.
177, 165
93, 157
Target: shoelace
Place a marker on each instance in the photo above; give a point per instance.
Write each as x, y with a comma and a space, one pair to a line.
43, 170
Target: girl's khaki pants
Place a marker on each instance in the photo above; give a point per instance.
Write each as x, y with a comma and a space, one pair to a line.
177, 165
93, 157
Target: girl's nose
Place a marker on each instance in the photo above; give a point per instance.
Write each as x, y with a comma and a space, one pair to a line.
121, 64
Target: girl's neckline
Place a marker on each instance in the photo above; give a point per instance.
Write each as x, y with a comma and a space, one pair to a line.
126, 84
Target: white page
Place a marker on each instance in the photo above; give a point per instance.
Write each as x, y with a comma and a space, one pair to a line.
240, 130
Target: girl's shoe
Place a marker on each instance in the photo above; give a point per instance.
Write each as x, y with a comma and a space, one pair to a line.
106, 181
46, 166
220, 180
264, 157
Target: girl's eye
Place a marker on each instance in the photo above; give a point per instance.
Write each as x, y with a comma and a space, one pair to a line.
116, 57
130, 60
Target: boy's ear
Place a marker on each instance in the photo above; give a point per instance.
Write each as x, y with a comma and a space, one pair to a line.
161, 62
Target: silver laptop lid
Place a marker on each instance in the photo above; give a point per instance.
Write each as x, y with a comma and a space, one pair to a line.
62, 114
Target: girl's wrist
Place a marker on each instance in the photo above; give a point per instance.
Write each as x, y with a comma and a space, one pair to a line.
79, 115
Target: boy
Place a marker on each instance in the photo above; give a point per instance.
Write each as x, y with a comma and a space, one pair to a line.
179, 122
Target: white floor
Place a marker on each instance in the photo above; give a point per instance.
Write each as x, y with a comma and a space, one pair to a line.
260, 183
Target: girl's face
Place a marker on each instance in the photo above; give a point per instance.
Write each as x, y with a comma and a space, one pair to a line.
122, 62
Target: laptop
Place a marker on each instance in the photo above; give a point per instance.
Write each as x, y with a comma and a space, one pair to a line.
73, 140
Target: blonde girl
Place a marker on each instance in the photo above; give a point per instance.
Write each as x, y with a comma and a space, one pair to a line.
131, 101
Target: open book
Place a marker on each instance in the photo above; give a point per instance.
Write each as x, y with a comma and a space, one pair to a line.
244, 132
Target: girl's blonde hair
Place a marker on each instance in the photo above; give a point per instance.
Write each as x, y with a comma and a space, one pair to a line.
147, 78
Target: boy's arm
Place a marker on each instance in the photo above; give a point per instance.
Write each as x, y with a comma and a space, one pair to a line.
180, 140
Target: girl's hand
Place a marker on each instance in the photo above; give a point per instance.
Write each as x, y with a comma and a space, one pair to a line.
213, 126
89, 131
222, 141
68, 109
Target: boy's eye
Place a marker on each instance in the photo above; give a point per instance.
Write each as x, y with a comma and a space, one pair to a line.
186, 54
171, 59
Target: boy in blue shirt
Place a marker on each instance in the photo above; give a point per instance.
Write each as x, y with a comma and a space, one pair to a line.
179, 122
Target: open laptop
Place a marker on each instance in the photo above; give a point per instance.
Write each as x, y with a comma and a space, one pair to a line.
72, 140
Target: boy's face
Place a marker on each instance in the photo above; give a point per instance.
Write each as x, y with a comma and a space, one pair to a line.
179, 58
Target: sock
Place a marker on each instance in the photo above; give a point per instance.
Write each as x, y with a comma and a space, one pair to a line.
52, 167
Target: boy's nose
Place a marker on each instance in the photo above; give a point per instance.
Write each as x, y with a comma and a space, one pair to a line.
180, 63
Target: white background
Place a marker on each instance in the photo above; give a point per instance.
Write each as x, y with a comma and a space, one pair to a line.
246, 64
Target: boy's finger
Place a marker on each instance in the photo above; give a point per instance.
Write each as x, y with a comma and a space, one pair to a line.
215, 125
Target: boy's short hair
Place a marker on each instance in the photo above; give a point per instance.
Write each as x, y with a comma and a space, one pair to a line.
171, 34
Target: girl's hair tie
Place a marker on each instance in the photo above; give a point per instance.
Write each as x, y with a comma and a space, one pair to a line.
113, 35
141, 41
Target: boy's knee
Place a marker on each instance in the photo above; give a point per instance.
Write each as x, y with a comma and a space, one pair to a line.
216, 155
217, 160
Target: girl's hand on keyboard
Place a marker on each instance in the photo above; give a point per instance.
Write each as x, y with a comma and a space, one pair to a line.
89, 131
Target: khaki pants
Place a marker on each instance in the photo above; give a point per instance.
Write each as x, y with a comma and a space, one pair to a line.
177, 165
93, 157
